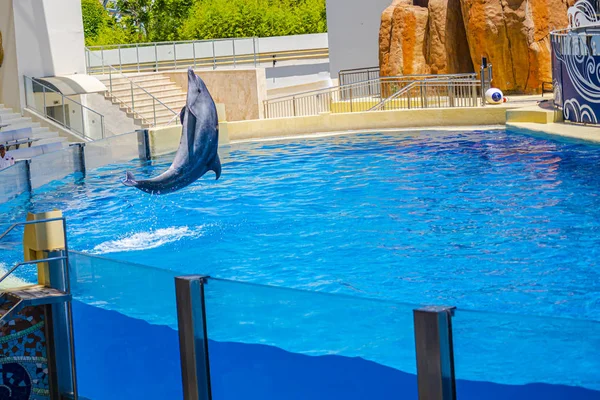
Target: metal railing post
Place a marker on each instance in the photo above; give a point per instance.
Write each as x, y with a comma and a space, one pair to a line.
82, 121
79, 159
155, 58
102, 56
435, 353
120, 61
137, 54
233, 48
294, 105
154, 110
44, 95
132, 98
64, 110
175, 54
214, 55
193, 337
110, 80
194, 53
144, 150
254, 49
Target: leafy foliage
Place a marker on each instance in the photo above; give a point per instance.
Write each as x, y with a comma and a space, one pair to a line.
160, 20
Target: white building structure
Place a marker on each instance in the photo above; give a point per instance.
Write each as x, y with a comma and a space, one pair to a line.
353, 30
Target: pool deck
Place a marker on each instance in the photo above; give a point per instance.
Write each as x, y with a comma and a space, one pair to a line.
532, 114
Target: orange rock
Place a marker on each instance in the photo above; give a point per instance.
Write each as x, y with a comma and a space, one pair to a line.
448, 51
450, 36
514, 35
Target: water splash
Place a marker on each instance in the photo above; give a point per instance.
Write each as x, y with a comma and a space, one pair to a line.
147, 240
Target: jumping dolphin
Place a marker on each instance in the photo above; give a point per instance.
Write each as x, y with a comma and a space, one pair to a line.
197, 153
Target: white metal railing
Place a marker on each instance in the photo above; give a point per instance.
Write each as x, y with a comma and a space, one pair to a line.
364, 96
70, 114
132, 93
162, 56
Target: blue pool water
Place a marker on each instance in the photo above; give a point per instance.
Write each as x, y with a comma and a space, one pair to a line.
484, 220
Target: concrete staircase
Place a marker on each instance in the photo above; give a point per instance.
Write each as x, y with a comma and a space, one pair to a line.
47, 140
143, 107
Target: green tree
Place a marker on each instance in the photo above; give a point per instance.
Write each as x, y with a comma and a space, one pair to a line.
94, 18
167, 17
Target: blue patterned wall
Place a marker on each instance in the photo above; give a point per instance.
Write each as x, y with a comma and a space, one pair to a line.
23, 356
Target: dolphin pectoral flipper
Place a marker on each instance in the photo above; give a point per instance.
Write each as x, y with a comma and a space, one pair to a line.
129, 179
182, 114
215, 165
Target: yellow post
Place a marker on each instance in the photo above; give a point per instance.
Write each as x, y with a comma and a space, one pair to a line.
38, 239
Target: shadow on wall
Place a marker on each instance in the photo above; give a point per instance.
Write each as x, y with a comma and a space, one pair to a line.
125, 358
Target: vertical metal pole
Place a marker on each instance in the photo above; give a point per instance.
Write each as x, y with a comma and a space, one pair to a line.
233, 47
137, 55
102, 56
44, 95
132, 98
435, 355
294, 105
155, 58
214, 55
82, 121
64, 110
175, 54
28, 175
154, 110
193, 337
254, 49
194, 53
79, 157
144, 150
482, 80
120, 61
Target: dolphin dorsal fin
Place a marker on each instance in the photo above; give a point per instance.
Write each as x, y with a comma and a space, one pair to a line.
182, 114
215, 165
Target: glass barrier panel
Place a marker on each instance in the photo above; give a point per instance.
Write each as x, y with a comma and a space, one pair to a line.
125, 321
51, 166
501, 356
113, 149
14, 181
276, 343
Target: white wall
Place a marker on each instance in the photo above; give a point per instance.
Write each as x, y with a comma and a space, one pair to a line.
353, 29
46, 38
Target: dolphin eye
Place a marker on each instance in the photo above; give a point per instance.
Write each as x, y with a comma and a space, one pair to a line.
199, 90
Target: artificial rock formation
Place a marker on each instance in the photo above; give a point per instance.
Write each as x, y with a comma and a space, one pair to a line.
450, 36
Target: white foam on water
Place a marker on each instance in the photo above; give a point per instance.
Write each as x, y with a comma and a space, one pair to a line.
12, 281
146, 240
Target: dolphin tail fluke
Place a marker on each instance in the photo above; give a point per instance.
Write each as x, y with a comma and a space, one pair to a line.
215, 165
129, 179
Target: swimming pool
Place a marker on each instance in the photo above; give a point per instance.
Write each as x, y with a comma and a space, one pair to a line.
485, 220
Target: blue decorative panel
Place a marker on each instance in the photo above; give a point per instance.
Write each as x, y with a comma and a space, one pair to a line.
576, 76
23, 356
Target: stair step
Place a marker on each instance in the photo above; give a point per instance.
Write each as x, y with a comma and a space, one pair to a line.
135, 78
36, 295
143, 84
155, 91
49, 140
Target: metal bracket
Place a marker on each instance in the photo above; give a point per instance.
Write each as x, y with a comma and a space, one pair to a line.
435, 355
193, 337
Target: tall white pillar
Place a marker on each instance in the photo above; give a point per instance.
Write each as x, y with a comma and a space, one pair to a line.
41, 38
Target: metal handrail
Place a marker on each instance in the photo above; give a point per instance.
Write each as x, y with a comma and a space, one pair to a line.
251, 57
394, 96
348, 98
399, 78
64, 122
17, 224
13, 269
136, 86
150, 44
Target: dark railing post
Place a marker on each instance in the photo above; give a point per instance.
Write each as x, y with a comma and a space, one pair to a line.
144, 150
435, 355
79, 157
193, 337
